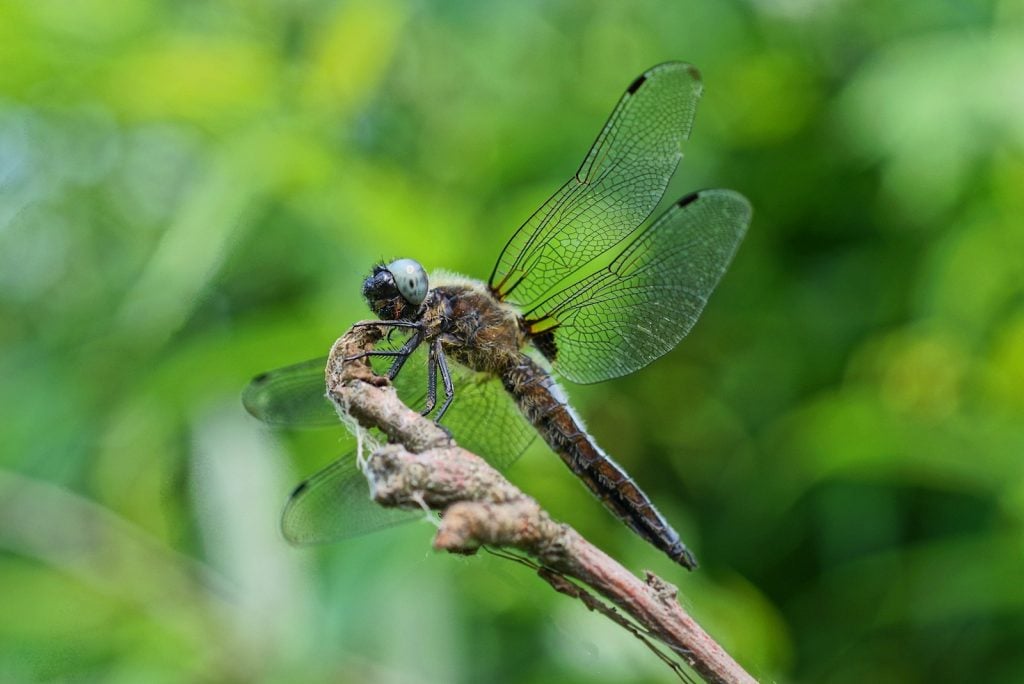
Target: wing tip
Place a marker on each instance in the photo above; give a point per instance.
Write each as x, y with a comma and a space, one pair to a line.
734, 196
637, 82
250, 398
691, 70
688, 199
252, 404
299, 488
287, 530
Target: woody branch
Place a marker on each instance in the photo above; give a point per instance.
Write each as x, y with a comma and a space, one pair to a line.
423, 466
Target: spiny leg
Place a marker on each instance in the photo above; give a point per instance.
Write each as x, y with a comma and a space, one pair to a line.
446, 379
404, 353
392, 326
386, 324
431, 380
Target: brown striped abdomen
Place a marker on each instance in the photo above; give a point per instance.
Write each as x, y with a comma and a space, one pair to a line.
543, 403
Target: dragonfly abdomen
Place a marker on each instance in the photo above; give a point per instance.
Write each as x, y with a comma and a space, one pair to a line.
543, 403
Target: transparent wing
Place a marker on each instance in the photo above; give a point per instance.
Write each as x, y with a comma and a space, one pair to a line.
335, 502
629, 313
484, 419
293, 396
615, 190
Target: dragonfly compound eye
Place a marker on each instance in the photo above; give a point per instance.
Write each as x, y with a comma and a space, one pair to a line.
410, 278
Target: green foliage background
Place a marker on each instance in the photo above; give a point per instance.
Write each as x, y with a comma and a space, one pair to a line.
191, 192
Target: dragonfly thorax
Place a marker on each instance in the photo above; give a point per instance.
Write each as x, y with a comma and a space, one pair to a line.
474, 328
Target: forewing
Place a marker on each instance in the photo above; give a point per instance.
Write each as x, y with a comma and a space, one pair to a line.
482, 418
293, 396
615, 190
647, 299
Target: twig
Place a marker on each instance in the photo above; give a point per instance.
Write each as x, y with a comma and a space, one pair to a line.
423, 465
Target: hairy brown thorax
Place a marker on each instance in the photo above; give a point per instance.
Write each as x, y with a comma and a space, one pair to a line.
475, 329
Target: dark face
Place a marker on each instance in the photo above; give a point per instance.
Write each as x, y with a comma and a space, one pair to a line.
396, 290
381, 293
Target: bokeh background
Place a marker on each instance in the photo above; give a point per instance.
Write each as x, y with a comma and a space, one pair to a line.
191, 192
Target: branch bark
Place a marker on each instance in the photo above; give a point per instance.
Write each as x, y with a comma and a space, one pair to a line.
423, 466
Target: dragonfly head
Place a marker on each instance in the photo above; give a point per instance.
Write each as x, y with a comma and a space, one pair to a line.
395, 291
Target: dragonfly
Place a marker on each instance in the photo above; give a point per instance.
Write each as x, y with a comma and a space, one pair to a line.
587, 288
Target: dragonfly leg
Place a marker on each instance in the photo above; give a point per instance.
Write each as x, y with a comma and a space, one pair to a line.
446, 379
363, 355
386, 324
403, 354
431, 381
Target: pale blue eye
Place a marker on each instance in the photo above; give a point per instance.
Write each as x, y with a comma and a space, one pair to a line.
410, 279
